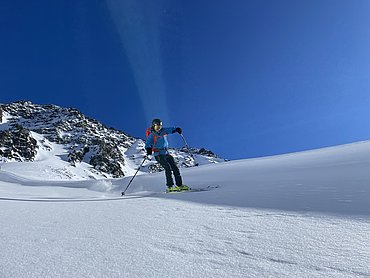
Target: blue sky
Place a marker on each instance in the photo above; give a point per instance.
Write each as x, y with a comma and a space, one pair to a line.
242, 78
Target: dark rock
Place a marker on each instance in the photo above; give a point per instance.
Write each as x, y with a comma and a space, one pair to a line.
18, 144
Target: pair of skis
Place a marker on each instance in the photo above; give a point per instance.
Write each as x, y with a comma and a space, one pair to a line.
207, 188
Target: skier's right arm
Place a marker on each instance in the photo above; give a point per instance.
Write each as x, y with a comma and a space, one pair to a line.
149, 143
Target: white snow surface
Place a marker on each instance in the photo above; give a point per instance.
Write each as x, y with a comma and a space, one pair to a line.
297, 215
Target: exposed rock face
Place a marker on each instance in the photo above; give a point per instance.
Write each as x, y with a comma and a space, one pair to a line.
66, 126
18, 144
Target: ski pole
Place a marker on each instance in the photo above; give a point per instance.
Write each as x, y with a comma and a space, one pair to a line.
187, 147
123, 192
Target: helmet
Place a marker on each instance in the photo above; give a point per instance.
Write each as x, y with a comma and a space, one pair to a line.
156, 122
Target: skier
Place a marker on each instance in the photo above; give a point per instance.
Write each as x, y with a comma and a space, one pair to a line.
157, 142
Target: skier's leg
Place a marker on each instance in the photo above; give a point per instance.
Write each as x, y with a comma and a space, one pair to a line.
175, 169
162, 160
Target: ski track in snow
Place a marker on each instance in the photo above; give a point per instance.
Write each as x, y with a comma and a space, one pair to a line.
68, 200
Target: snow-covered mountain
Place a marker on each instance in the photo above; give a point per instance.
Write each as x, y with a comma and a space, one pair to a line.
303, 214
53, 142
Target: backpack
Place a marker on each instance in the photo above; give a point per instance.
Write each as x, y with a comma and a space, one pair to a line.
147, 132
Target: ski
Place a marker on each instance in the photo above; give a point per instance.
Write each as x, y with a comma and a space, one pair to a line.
185, 191
208, 188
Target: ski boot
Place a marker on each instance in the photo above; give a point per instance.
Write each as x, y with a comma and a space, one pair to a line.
178, 188
171, 189
182, 188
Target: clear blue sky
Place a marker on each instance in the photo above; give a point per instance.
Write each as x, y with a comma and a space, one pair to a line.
243, 78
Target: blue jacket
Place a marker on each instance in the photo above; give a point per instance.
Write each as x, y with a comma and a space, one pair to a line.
158, 140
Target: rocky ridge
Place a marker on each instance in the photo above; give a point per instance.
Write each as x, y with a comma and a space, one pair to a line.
107, 150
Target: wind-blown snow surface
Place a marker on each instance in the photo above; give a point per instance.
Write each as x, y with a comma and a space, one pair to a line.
298, 215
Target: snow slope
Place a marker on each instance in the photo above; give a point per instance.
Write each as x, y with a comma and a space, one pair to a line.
298, 215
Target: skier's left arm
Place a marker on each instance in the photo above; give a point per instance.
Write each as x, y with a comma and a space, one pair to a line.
170, 130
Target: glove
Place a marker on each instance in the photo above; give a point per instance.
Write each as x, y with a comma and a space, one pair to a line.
149, 151
178, 130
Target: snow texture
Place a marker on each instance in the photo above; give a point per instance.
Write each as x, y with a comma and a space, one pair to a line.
298, 215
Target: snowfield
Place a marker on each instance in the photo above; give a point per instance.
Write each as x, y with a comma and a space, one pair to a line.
304, 214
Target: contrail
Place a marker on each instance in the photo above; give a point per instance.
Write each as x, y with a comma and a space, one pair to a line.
138, 24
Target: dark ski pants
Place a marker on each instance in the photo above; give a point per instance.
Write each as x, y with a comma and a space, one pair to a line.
169, 165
